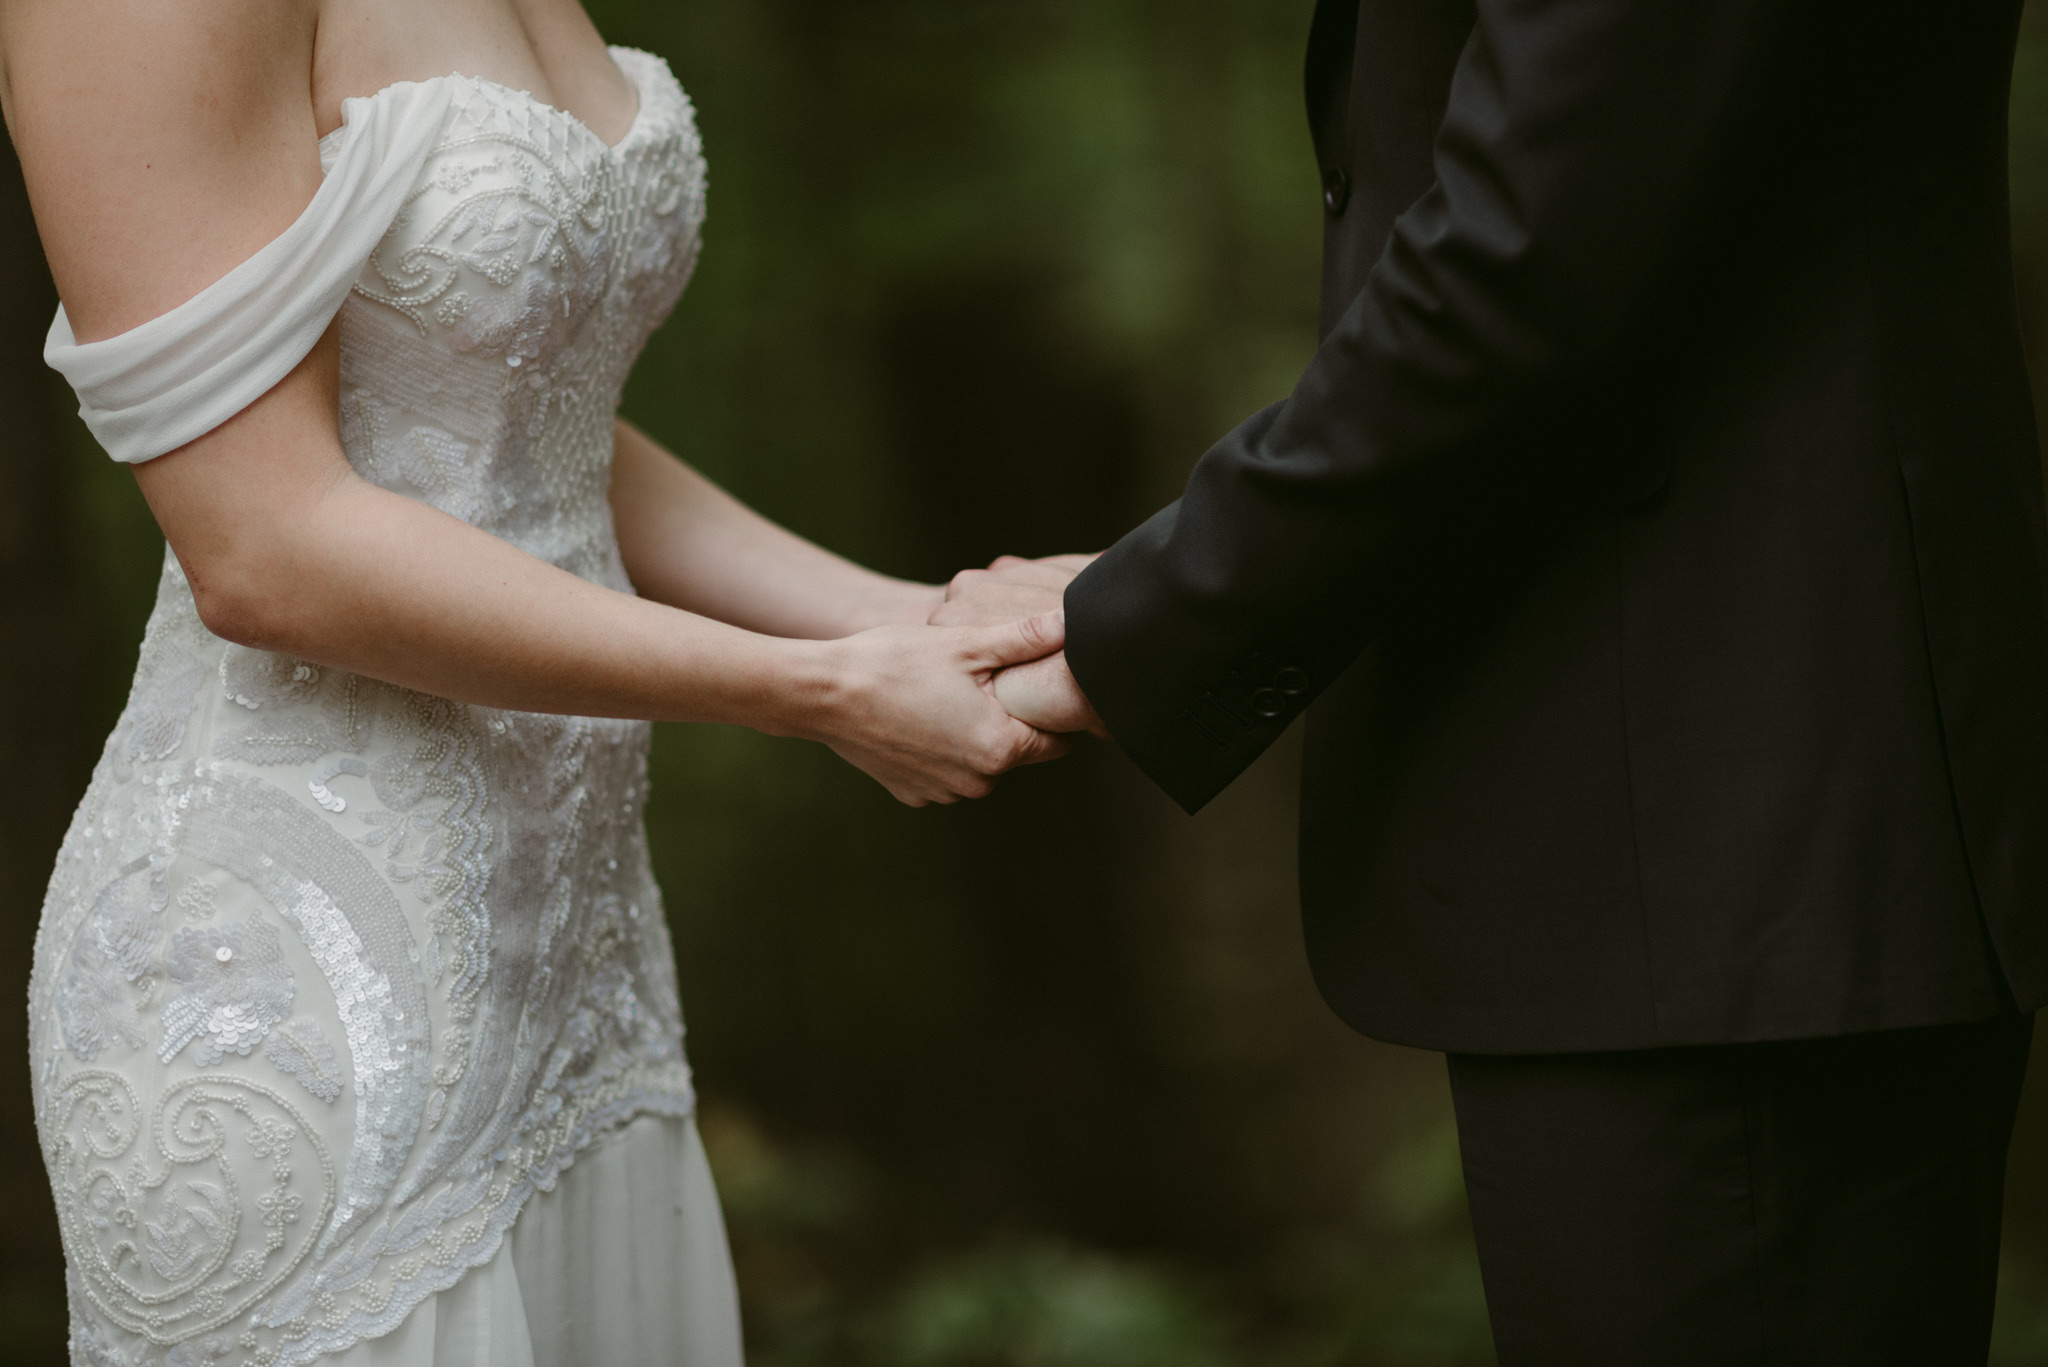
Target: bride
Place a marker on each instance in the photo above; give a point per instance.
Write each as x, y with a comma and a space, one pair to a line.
353, 948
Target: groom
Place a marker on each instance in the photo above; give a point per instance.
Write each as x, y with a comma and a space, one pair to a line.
1655, 545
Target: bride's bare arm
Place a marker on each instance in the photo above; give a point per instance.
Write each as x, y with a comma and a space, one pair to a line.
140, 181
163, 141
691, 545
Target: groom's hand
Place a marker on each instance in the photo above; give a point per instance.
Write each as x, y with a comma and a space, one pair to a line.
1009, 589
1043, 694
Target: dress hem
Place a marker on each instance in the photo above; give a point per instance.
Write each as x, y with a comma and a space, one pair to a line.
361, 1327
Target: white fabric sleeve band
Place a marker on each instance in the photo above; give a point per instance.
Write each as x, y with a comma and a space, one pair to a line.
178, 376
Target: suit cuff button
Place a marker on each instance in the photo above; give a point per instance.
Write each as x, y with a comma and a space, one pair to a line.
1269, 702
1336, 190
1291, 681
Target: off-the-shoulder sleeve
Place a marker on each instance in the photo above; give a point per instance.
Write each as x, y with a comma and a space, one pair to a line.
178, 376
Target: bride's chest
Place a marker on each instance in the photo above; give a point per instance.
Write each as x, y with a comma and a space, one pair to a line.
488, 336
527, 245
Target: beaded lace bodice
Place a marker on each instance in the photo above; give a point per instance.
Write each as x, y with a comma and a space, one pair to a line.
332, 975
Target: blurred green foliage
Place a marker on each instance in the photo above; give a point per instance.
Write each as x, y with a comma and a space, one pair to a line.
1049, 1307
1042, 1081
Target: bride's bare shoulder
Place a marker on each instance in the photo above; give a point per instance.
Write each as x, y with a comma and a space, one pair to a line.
162, 140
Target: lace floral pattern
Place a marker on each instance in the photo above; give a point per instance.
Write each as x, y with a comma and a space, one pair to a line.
165, 1232
332, 975
237, 985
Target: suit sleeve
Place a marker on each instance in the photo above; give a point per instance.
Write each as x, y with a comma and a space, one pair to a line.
1589, 150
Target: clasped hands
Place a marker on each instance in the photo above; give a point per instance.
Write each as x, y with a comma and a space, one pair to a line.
1041, 693
938, 715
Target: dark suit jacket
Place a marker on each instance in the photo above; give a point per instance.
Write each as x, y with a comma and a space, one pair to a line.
1657, 532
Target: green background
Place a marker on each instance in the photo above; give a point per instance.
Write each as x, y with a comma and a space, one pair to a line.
1040, 1081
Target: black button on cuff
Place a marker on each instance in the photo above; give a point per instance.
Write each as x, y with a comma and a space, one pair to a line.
1336, 189
1291, 681
1269, 702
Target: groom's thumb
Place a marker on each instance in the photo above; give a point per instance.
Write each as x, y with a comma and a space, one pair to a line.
1033, 638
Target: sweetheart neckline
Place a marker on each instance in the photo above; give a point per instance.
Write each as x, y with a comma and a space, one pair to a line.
610, 148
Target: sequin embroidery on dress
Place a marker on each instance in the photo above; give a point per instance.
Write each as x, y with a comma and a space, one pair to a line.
333, 975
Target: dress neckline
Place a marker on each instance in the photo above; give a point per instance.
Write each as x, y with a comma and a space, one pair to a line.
640, 111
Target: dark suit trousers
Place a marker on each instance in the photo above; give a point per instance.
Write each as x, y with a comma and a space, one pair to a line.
1800, 1204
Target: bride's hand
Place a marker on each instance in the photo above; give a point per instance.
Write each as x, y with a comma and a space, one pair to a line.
915, 709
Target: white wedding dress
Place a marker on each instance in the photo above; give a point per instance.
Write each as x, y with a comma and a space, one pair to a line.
336, 980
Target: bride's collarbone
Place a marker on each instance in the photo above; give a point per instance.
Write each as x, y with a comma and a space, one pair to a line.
548, 49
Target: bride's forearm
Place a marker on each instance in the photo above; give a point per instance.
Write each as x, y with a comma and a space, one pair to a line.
366, 580
688, 543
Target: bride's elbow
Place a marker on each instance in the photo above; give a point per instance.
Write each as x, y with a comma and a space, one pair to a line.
242, 600
229, 613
